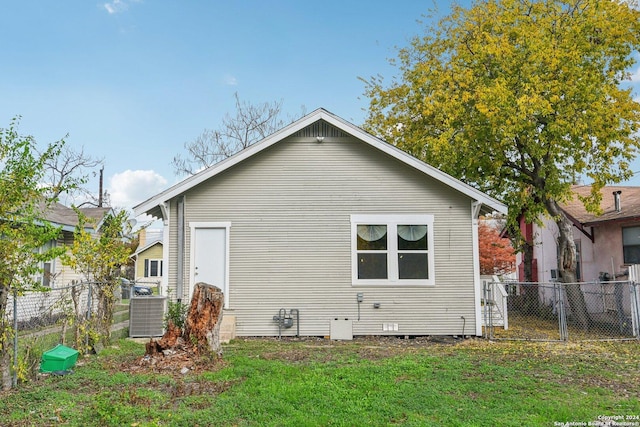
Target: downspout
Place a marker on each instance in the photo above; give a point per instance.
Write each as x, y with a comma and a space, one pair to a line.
180, 248
475, 214
164, 285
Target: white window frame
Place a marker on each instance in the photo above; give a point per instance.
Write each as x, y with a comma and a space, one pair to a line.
150, 260
392, 222
51, 244
626, 238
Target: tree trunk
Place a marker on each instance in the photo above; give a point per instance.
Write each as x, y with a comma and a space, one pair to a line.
5, 362
78, 315
5, 336
567, 266
202, 326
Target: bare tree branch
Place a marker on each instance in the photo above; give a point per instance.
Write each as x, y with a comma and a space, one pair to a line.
250, 124
71, 165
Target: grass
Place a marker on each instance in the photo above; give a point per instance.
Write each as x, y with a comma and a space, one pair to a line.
32, 343
367, 382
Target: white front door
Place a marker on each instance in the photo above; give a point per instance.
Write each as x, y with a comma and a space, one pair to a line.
210, 256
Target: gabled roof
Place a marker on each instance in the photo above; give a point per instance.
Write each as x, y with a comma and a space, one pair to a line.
629, 205
65, 217
145, 247
154, 205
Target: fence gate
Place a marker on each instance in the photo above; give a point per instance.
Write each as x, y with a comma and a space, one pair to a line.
634, 290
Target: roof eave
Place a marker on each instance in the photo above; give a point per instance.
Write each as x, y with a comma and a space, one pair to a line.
634, 218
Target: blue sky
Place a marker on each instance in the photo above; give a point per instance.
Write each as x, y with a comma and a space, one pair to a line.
132, 80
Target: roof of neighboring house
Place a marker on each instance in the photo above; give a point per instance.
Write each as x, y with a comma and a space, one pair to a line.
97, 214
65, 217
155, 205
629, 205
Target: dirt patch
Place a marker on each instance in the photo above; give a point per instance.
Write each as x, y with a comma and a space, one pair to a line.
178, 361
320, 349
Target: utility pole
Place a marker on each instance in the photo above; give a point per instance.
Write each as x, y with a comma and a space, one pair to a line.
100, 195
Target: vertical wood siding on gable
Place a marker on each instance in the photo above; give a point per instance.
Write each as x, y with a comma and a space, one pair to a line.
290, 208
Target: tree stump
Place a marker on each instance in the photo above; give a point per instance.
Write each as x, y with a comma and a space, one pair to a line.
202, 326
168, 341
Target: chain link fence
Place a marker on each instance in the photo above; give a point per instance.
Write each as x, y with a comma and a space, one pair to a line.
556, 311
42, 319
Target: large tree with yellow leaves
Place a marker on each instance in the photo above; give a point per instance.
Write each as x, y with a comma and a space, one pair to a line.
520, 98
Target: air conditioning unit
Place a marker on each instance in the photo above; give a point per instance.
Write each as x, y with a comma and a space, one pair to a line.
146, 315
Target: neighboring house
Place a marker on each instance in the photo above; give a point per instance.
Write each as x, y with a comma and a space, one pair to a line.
148, 259
327, 225
606, 244
54, 273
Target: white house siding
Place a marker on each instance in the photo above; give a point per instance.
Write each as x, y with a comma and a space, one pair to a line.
65, 275
289, 208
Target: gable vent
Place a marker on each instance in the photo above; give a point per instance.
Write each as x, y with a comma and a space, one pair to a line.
321, 128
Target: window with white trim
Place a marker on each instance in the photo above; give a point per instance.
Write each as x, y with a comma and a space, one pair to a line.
152, 267
392, 249
48, 267
631, 245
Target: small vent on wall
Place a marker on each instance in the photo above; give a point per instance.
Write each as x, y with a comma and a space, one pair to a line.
390, 327
145, 316
320, 128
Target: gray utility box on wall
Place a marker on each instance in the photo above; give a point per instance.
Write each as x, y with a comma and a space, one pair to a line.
146, 316
341, 329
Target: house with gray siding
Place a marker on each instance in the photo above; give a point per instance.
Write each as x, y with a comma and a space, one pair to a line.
331, 229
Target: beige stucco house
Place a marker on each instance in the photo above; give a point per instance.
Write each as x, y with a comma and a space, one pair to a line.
331, 227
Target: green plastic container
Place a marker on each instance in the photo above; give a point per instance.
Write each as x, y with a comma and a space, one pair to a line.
59, 358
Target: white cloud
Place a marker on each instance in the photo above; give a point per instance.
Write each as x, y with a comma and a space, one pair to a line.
117, 6
129, 188
635, 77
230, 80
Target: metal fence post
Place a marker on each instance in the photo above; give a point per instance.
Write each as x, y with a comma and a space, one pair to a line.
14, 379
635, 308
484, 309
487, 310
491, 300
89, 299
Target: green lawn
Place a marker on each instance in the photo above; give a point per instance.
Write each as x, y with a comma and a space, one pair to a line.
316, 382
